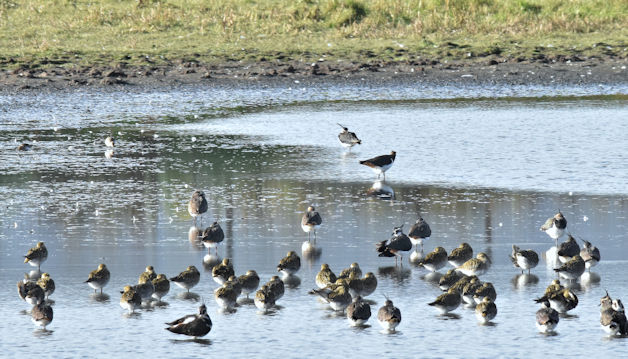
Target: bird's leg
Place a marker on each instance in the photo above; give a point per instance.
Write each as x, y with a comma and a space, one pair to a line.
314, 236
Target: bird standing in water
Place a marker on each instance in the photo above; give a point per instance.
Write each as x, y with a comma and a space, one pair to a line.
197, 205
380, 164
310, 222
348, 139
194, 325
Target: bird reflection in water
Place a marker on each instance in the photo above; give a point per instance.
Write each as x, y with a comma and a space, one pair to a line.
311, 251
210, 261
590, 280
521, 281
194, 236
396, 273
381, 190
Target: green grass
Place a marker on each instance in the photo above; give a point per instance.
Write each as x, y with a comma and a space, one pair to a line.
100, 32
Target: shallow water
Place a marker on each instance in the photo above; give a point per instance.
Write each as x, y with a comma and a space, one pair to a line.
478, 166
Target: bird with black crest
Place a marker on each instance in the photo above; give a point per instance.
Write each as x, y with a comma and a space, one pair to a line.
399, 242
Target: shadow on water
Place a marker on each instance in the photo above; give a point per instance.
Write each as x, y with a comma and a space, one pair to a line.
205, 342
99, 297
42, 333
189, 296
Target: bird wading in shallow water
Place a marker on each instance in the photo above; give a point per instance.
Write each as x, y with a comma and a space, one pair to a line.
310, 222
590, 254
42, 314
193, 325
188, 278
555, 227
36, 255
546, 318
348, 139
419, 232
197, 205
99, 278
525, 259
460, 254
380, 164
389, 316
212, 235
399, 242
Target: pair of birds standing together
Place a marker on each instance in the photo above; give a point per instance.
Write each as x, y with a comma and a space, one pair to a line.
37, 292
575, 260
379, 164
212, 235
400, 242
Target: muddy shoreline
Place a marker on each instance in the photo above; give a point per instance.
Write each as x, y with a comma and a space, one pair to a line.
506, 72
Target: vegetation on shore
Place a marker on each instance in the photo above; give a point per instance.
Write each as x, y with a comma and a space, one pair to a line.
90, 32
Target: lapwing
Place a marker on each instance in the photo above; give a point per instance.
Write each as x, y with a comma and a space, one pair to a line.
525, 259
612, 316
590, 254
389, 316
568, 249
98, 278
188, 278
399, 242
380, 164
193, 325
197, 205
212, 235
546, 318
36, 255
419, 232
24, 147
348, 139
42, 314
310, 222
555, 227
358, 312
110, 142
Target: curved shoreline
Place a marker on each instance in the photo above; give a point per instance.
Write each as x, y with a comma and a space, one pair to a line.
562, 71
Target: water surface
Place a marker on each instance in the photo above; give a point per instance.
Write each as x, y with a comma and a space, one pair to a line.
480, 167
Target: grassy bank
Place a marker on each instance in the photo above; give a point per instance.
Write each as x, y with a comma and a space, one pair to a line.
102, 32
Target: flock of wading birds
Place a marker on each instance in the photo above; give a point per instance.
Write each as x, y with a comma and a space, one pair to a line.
345, 292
